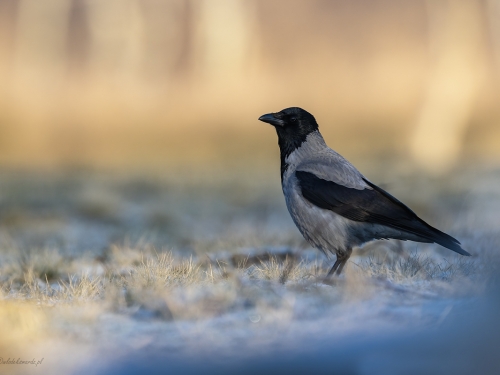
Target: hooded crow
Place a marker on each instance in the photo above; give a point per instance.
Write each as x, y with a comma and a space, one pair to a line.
333, 205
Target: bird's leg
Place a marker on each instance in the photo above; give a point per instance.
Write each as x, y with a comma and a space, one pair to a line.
342, 258
342, 263
335, 266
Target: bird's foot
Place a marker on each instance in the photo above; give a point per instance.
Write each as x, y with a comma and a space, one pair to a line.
328, 280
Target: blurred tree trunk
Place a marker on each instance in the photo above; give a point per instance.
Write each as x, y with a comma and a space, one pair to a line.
40, 46
224, 37
456, 34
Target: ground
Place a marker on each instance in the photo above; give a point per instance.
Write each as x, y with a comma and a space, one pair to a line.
99, 270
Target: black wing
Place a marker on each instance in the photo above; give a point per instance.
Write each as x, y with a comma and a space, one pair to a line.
372, 206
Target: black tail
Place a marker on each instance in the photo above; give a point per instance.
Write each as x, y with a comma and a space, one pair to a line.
443, 239
411, 223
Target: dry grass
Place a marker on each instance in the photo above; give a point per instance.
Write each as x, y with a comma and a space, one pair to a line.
148, 272
288, 270
418, 267
146, 286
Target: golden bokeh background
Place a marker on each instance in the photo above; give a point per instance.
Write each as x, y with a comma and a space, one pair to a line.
181, 83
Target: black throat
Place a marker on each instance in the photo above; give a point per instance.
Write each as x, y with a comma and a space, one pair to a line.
288, 142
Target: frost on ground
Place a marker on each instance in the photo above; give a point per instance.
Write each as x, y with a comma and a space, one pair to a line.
98, 264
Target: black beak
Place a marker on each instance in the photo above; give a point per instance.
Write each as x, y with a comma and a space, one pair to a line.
270, 119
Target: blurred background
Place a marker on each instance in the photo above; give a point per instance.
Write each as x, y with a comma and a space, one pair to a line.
129, 131
179, 84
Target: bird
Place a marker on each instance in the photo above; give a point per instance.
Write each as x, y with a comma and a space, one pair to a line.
332, 204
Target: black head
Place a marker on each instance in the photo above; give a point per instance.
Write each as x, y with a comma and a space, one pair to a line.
293, 125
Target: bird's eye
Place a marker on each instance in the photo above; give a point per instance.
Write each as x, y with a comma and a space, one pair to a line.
293, 119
